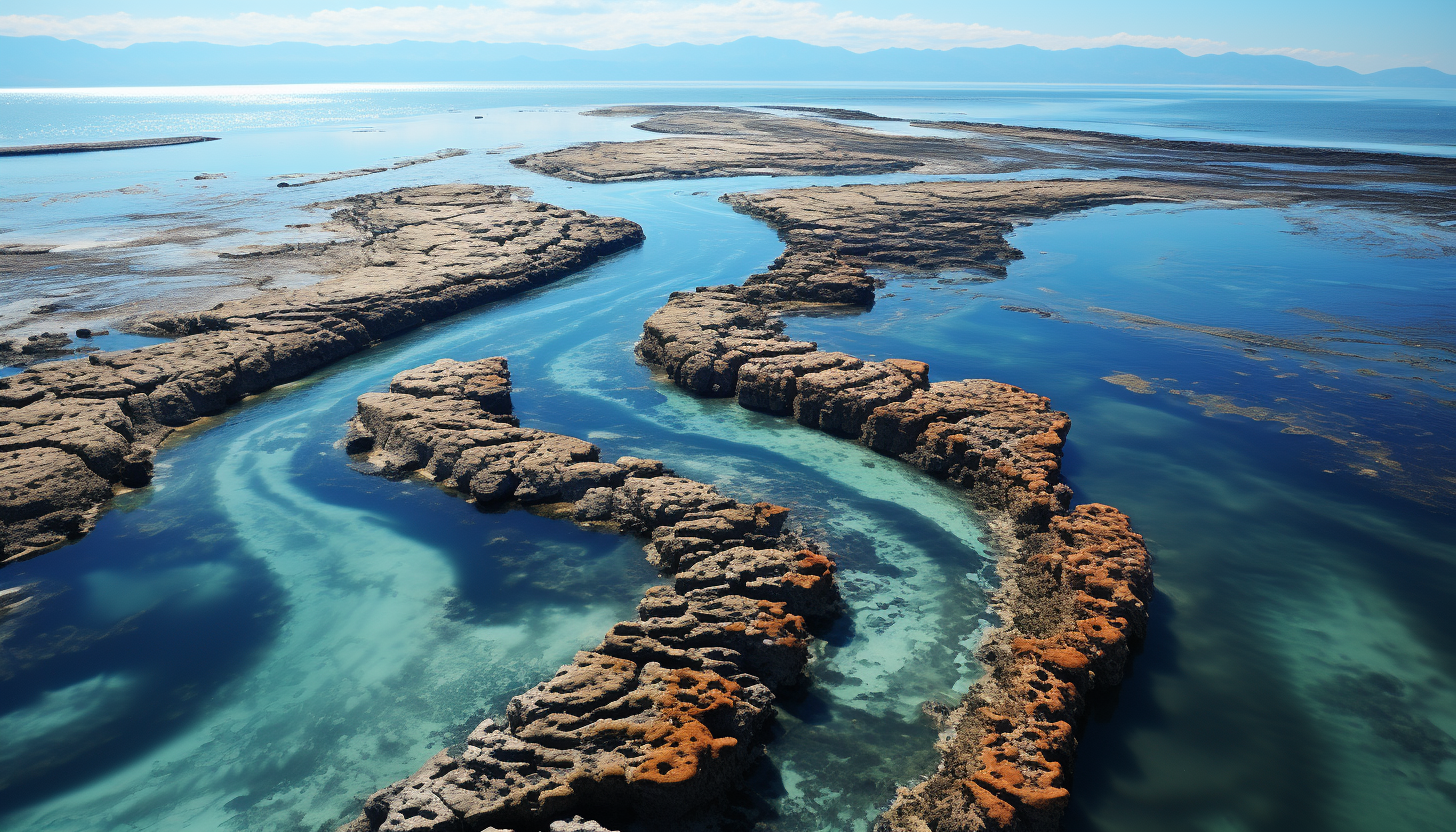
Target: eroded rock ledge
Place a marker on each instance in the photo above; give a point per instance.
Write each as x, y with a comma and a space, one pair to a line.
89, 147
943, 226
727, 141
71, 431
667, 713
1075, 582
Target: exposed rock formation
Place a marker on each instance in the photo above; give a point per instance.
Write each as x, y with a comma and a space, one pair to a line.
726, 141
70, 430
1075, 581
44, 346
298, 180
707, 339
1302, 165
940, 226
663, 716
89, 147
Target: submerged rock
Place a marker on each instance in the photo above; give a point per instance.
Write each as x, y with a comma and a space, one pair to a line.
668, 712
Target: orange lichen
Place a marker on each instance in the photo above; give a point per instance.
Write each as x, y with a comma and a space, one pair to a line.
1028, 780
1099, 630
1051, 650
767, 515
812, 568
995, 809
787, 629
679, 740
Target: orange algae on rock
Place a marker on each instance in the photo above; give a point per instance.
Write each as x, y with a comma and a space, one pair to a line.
680, 740
812, 568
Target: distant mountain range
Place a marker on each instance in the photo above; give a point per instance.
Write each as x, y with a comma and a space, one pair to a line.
48, 62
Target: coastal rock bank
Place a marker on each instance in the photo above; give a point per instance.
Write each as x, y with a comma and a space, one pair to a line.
1075, 582
726, 141
667, 713
92, 147
72, 430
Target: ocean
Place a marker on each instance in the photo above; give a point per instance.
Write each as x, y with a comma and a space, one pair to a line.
264, 636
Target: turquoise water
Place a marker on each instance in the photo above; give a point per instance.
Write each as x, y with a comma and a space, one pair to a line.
264, 635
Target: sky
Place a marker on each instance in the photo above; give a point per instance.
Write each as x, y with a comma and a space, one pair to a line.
1359, 34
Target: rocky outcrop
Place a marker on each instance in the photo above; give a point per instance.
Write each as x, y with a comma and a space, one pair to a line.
666, 714
91, 147
71, 430
1073, 599
939, 226
1075, 582
727, 141
34, 349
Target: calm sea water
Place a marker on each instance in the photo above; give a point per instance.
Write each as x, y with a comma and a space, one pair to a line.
264, 635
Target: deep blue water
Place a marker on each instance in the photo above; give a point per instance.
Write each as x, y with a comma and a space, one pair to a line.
264, 635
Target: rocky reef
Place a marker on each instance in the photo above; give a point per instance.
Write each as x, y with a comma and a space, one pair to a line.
702, 141
91, 147
70, 431
726, 141
941, 226
667, 713
1075, 582
711, 339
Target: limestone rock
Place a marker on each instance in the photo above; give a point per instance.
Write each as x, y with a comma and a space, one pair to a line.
486, 381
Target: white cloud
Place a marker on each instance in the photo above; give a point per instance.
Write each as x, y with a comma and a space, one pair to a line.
593, 24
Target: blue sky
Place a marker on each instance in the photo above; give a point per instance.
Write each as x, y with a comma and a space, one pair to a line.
1361, 35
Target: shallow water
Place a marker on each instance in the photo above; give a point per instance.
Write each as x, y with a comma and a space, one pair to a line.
264, 635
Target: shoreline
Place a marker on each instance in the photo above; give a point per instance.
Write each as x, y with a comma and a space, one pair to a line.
71, 432
668, 713
94, 147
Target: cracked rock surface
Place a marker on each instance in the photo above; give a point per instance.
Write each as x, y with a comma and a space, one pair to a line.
666, 714
72, 430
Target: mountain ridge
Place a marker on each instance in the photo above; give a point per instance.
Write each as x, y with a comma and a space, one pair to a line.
40, 61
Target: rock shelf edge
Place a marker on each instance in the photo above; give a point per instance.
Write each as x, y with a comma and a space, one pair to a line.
669, 711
